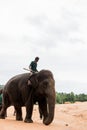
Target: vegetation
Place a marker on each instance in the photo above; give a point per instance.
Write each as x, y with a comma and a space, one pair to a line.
70, 97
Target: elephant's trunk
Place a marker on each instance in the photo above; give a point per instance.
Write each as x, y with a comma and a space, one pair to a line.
51, 110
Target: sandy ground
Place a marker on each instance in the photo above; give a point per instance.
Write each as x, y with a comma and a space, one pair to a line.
67, 117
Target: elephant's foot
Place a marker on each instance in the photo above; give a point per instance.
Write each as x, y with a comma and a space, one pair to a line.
28, 120
2, 117
19, 118
3, 113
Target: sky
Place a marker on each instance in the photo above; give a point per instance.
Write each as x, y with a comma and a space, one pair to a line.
54, 30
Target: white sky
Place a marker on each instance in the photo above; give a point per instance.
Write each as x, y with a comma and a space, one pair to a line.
54, 30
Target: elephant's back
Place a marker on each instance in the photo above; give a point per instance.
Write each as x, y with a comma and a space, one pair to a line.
14, 88
15, 80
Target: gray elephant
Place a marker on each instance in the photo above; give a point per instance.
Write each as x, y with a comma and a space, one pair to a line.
25, 90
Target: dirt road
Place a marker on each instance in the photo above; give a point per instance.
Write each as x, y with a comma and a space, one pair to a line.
67, 117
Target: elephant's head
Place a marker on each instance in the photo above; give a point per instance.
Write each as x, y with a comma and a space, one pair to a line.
44, 85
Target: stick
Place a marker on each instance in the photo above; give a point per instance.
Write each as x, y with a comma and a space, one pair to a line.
26, 69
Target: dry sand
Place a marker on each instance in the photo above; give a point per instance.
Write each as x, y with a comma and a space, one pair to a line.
67, 117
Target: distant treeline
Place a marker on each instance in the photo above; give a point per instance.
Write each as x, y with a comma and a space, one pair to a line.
70, 97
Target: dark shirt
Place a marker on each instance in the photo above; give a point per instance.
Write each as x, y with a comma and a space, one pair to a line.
33, 66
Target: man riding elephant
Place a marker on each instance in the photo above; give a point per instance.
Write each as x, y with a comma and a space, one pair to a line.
18, 92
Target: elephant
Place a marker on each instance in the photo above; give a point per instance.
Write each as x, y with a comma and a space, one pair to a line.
26, 89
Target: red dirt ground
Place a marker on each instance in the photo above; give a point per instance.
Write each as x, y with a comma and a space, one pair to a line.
67, 117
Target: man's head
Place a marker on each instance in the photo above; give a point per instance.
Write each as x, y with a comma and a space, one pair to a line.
36, 59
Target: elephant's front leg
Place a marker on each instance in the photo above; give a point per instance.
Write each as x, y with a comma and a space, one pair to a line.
29, 109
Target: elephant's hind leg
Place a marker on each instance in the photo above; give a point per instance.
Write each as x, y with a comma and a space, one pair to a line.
3, 112
18, 111
5, 105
